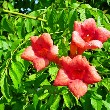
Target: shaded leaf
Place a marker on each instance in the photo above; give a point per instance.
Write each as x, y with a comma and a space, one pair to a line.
7, 25
40, 79
35, 100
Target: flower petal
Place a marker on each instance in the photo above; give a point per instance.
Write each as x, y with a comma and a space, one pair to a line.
65, 62
73, 49
80, 51
79, 67
80, 62
45, 41
34, 39
91, 76
34, 44
77, 27
28, 54
61, 78
52, 54
93, 44
77, 39
42, 45
77, 87
102, 34
40, 63
89, 25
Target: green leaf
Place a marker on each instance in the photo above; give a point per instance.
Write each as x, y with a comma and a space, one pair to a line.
87, 54
85, 6
5, 87
108, 97
45, 82
20, 27
1, 53
18, 105
16, 73
82, 14
7, 25
15, 44
108, 1
43, 96
106, 46
28, 25
86, 102
67, 100
72, 17
18, 56
31, 77
35, 100
106, 104
55, 104
5, 45
5, 5
50, 88
53, 19
50, 100
75, 5
99, 18
61, 19
96, 101
14, 78
40, 79
106, 83
2, 106
10, 6
29, 35
53, 71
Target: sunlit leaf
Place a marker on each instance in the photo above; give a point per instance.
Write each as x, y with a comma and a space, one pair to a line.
28, 25
10, 6
43, 96
14, 78
53, 71
55, 104
96, 102
16, 73
29, 35
67, 100
5, 87
106, 104
2, 106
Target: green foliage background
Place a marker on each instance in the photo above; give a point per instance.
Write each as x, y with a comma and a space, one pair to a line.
22, 87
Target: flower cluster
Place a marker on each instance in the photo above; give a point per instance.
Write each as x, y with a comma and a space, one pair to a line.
75, 72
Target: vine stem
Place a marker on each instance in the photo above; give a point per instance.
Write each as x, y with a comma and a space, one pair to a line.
24, 15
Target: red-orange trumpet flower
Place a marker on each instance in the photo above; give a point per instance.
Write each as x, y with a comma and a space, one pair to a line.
41, 51
76, 73
87, 35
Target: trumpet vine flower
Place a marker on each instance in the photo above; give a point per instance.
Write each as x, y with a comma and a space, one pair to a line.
87, 35
41, 51
76, 73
